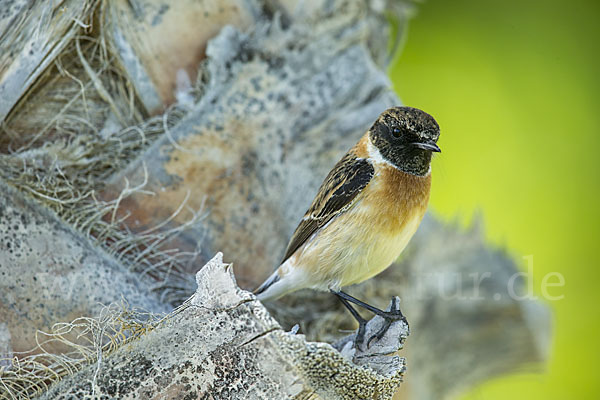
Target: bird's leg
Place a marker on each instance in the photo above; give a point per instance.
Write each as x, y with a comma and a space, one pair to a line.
362, 323
389, 316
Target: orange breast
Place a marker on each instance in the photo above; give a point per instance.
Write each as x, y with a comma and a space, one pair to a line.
396, 196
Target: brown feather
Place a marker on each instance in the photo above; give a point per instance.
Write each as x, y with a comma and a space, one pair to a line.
336, 194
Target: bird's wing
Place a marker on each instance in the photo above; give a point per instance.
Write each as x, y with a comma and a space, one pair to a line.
345, 181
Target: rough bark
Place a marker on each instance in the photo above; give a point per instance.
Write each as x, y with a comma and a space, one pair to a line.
50, 273
160, 30
223, 344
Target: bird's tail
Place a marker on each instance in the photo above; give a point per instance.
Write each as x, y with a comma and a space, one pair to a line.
260, 291
280, 283
284, 280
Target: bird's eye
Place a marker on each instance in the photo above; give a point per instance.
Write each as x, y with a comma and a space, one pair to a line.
396, 132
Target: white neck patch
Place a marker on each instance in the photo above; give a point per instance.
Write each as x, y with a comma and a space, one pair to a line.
375, 156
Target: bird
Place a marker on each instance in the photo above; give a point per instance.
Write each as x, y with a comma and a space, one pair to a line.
364, 214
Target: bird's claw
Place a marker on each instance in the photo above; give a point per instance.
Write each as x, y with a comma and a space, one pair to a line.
389, 317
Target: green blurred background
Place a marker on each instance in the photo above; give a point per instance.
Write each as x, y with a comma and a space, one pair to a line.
515, 88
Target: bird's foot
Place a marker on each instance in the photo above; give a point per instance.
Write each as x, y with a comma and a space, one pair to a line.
395, 314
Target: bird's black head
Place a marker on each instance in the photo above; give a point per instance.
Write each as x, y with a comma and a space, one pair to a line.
406, 137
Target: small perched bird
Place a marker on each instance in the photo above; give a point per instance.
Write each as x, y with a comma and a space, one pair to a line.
367, 209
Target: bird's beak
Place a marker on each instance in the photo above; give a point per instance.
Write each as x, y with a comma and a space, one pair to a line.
429, 146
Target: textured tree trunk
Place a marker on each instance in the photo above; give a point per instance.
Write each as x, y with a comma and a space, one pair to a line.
224, 344
121, 174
